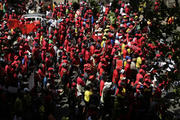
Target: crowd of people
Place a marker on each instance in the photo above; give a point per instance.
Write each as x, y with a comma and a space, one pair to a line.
96, 65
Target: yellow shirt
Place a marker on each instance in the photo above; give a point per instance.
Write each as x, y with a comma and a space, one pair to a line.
123, 90
122, 48
54, 6
144, 5
128, 30
102, 44
41, 38
129, 50
87, 95
125, 62
138, 62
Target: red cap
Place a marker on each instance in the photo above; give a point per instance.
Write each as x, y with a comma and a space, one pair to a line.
5, 48
64, 57
50, 69
73, 84
103, 59
26, 52
107, 57
35, 38
20, 46
50, 36
131, 26
141, 71
158, 55
91, 77
49, 7
55, 31
61, 47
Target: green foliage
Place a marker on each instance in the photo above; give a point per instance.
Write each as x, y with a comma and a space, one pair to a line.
112, 17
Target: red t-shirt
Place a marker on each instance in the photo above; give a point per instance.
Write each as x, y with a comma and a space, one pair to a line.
87, 55
115, 76
80, 81
101, 87
92, 48
63, 71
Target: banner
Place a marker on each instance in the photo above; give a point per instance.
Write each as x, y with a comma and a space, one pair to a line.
27, 28
13, 23
30, 28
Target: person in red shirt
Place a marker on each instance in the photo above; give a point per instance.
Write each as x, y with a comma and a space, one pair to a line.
51, 50
115, 77
48, 60
92, 49
119, 63
101, 86
139, 76
87, 55
64, 75
51, 74
80, 85
127, 69
41, 74
43, 54
21, 51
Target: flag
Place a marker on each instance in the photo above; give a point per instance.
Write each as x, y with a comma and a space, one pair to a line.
30, 27
13, 23
27, 28
22, 27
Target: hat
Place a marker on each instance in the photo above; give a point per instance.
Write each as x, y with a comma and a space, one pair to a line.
35, 38
50, 36
146, 75
108, 26
91, 77
104, 38
50, 69
26, 52
20, 46
158, 55
49, 7
26, 40
5, 48
73, 84
106, 30
64, 57
61, 47
141, 71
103, 59
107, 56
131, 26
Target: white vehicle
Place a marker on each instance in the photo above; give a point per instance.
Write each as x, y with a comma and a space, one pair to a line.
34, 17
